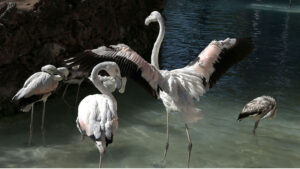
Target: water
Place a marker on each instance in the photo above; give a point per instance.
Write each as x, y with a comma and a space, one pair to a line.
218, 140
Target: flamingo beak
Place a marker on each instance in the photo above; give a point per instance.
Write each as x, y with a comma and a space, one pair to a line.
149, 19
121, 83
118, 82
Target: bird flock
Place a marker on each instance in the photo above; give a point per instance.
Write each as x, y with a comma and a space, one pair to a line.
108, 69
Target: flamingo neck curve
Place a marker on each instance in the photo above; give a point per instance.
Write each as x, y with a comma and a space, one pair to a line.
97, 83
157, 44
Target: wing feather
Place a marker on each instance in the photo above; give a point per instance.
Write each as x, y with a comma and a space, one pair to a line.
219, 56
131, 64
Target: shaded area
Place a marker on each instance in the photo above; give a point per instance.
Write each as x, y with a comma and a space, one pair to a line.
34, 33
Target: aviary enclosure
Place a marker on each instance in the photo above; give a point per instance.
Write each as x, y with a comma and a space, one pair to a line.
227, 75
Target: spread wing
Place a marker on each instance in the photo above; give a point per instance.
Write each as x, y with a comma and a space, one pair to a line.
202, 73
219, 56
131, 65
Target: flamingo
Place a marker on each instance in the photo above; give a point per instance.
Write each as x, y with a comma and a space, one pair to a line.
193, 80
259, 108
97, 114
176, 88
38, 87
76, 77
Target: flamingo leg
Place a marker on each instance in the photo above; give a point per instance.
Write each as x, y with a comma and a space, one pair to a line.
63, 96
31, 125
65, 91
82, 137
43, 121
255, 126
290, 3
100, 161
77, 94
167, 141
190, 143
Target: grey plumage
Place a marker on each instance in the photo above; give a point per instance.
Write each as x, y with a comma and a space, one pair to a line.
38, 87
259, 108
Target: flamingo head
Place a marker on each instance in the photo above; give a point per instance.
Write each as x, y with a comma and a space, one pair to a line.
64, 72
153, 17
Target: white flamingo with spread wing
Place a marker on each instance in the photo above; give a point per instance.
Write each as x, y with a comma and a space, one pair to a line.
193, 80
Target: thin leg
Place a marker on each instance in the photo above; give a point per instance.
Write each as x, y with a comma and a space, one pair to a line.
255, 126
77, 94
63, 96
190, 143
290, 3
43, 121
31, 126
65, 91
100, 162
82, 137
167, 141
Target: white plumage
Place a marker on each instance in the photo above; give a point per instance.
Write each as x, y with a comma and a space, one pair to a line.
192, 81
97, 114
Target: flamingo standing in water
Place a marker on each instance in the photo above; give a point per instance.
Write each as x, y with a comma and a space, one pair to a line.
259, 108
193, 80
97, 114
38, 87
177, 88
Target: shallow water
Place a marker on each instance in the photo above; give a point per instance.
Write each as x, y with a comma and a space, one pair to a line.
218, 140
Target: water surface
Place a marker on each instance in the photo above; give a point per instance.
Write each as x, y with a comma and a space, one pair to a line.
218, 140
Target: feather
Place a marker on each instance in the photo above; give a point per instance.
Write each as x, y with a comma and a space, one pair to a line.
219, 56
130, 63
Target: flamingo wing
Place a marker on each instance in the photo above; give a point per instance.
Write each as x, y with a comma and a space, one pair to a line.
219, 56
131, 65
202, 73
34, 88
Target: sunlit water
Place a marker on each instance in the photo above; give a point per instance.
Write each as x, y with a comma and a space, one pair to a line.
218, 140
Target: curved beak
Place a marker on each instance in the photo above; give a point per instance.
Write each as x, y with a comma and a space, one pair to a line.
118, 83
147, 21
123, 85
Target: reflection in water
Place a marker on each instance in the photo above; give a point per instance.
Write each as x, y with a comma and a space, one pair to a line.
218, 140
276, 7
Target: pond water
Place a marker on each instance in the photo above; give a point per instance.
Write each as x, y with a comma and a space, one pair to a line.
218, 139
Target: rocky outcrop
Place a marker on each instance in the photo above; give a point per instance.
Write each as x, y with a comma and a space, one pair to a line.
38, 32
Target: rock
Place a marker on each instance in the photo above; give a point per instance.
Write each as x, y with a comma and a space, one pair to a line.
38, 32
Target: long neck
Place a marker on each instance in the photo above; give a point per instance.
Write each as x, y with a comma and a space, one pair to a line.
156, 47
96, 81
